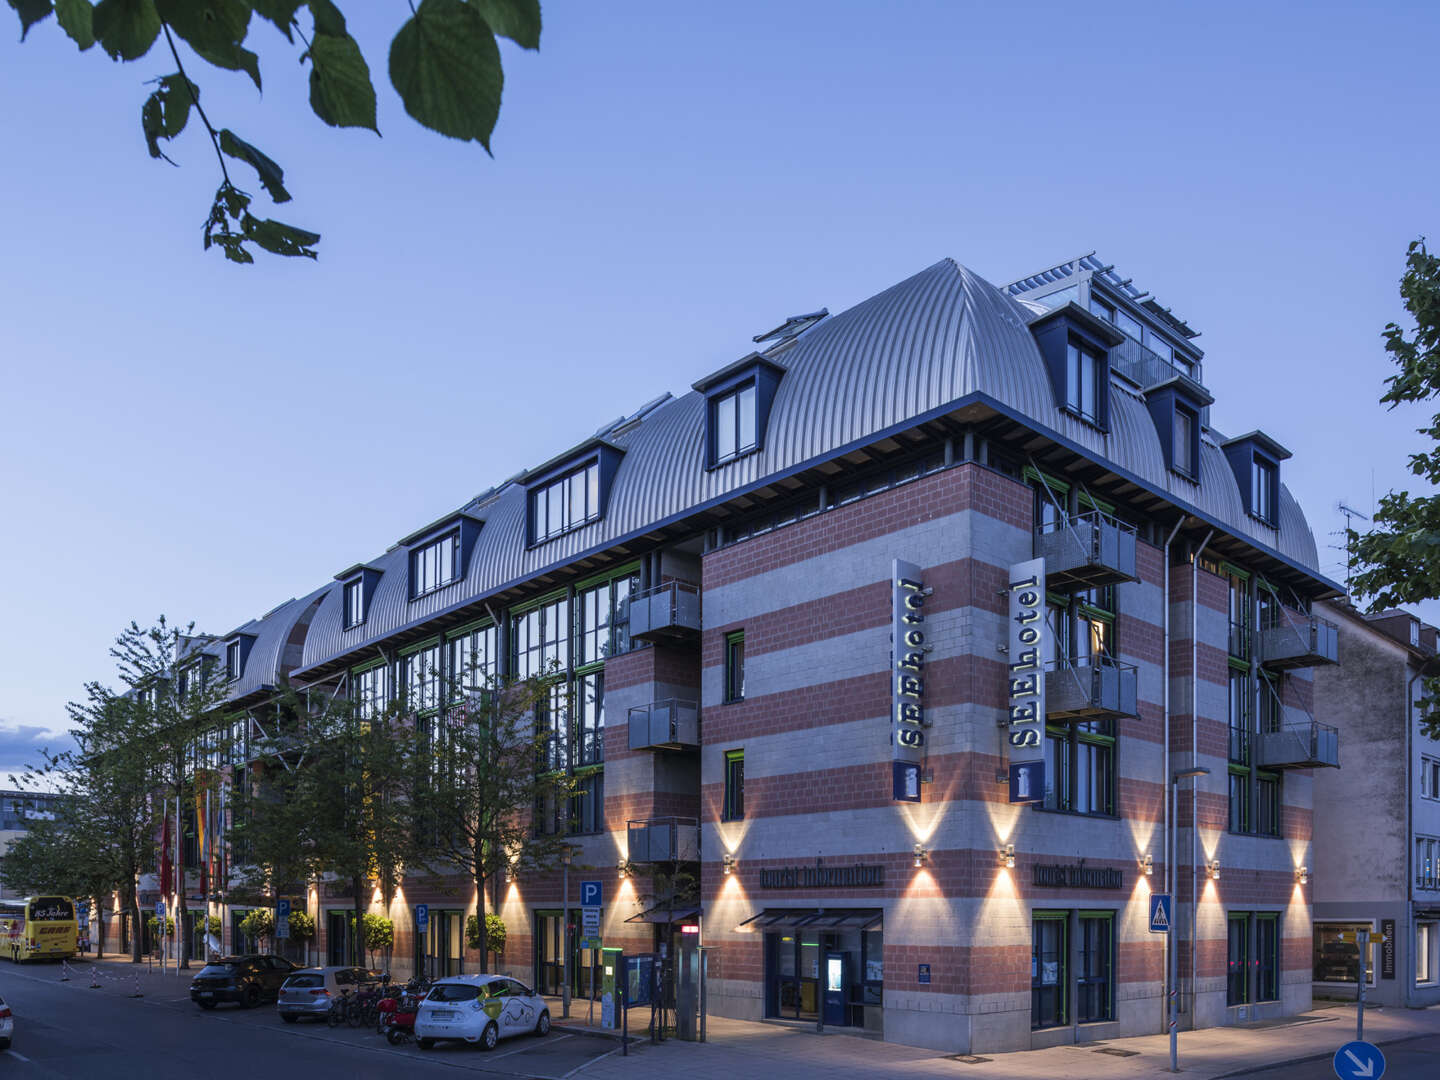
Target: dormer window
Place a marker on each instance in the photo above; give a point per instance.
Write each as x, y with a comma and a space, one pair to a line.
1262, 489
434, 565
354, 602
566, 503
1186, 435
233, 660
733, 420
1083, 381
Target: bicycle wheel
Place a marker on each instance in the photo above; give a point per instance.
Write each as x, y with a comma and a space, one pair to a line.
355, 1014
336, 1014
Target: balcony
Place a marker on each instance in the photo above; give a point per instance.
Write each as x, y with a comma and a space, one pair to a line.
1300, 641
1304, 745
665, 725
668, 612
664, 840
1087, 552
1093, 689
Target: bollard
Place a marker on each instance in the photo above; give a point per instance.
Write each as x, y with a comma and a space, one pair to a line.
94, 977
64, 971
138, 992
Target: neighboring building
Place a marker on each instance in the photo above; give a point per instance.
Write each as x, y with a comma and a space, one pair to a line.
721, 576
17, 810
1379, 870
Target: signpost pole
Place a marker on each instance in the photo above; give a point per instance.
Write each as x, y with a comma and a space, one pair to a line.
1362, 939
565, 936
1174, 965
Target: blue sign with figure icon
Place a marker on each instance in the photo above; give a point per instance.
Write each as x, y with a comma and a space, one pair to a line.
1359, 1061
422, 917
590, 894
1160, 913
1027, 781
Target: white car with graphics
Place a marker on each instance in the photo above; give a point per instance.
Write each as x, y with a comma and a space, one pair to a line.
479, 1009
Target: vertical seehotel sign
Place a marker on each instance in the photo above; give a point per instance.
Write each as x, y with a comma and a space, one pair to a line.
907, 687
1025, 682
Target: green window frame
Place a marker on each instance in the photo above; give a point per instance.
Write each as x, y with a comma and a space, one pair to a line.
1080, 768
735, 666
1095, 981
1237, 958
370, 688
1267, 956
1049, 969
734, 807
421, 677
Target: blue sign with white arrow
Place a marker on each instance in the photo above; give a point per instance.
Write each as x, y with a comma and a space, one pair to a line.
590, 894
1359, 1061
1161, 919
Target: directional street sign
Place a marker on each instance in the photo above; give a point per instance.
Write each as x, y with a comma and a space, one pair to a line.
422, 917
1161, 919
1353, 937
1359, 1061
590, 894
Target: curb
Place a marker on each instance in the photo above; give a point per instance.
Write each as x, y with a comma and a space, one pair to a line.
1317, 1057
598, 1033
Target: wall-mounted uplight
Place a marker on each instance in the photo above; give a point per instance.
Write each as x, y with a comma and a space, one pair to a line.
1007, 856
624, 868
1214, 866
1147, 865
921, 855
1302, 875
728, 862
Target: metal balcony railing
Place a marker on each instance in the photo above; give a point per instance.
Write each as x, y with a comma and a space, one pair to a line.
1299, 641
665, 725
1097, 688
670, 839
670, 611
1086, 551
1307, 744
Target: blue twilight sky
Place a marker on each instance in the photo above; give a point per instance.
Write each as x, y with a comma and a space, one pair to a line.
185, 436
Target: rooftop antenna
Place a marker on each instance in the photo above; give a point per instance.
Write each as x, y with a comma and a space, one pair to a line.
1350, 515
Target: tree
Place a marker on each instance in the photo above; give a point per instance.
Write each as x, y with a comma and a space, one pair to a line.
1398, 561
444, 63
329, 794
105, 837
258, 923
377, 933
491, 793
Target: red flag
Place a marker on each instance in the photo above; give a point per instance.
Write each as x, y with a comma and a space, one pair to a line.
167, 868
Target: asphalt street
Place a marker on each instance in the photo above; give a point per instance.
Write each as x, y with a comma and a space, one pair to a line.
65, 1029
1413, 1059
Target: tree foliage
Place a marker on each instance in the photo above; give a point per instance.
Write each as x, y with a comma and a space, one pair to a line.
1398, 560
444, 63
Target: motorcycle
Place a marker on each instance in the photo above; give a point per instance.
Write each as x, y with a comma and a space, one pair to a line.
397, 1014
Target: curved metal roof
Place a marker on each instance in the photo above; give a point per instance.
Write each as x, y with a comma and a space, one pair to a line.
279, 644
917, 348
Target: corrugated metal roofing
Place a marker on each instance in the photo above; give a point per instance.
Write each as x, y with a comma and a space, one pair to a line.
277, 649
916, 348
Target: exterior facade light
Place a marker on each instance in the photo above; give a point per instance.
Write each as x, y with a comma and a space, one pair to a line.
728, 862
1302, 875
1214, 869
1147, 865
624, 868
1007, 856
921, 855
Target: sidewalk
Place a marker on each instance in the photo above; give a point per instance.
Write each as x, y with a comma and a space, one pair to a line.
740, 1048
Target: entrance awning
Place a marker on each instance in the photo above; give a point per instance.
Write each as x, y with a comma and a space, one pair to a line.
777, 919
666, 915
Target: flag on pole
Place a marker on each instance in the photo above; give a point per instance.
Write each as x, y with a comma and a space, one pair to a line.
167, 867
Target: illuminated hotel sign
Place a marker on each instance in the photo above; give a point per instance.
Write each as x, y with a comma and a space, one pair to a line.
1025, 682
907, 688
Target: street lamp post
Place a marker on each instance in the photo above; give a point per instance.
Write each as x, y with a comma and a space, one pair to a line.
1174, 987
565, 855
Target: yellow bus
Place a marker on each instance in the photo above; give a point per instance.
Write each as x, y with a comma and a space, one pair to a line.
38, 928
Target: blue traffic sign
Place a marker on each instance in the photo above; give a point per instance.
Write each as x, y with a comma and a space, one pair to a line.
1359, 1061
282, 909
590, 894
422, 917
1161, 914
1027, 781
159, 909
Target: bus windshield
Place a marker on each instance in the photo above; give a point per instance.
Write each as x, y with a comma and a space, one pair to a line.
51, 909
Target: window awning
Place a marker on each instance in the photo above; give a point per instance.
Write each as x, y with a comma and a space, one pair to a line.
666, 915
776, 919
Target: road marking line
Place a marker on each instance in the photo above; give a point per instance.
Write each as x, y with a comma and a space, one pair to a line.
592, 1061
15, 1054
495, 1057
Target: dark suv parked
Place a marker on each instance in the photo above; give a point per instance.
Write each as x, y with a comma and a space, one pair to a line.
246, 980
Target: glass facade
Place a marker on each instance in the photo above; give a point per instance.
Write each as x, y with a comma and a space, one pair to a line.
566, 503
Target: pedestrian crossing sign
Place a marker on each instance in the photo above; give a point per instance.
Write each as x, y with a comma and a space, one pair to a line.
1160, 914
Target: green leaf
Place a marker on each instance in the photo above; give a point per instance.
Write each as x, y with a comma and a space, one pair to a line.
76, 18
215, 30
152, 122
165, 111
30, 12
446, 66
518, 20
126, 28
340, 89
279, 12
271, 175
328, 19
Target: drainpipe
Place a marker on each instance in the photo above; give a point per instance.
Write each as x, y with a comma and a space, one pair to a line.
1195, 754
1165, 705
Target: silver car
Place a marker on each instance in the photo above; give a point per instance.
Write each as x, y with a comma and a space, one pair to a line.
312, 991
